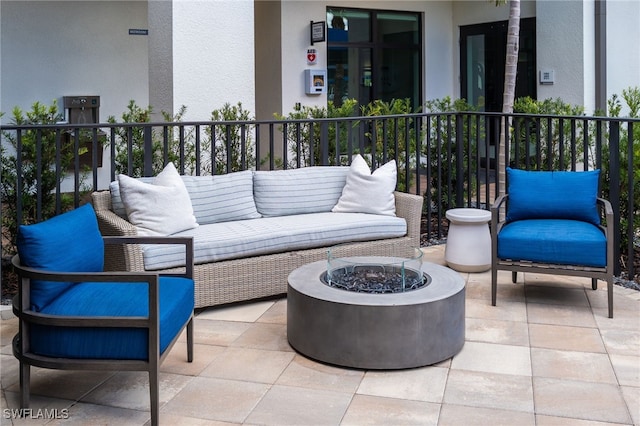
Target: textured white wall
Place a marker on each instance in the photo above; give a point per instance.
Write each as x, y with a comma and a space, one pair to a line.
562, 47
623, 46
52, 49
213, 56
439, 78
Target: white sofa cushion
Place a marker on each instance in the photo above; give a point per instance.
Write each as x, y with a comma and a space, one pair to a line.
298, 191
162, 207
117, 206
366, 192
246, 238
222, 198
218, 198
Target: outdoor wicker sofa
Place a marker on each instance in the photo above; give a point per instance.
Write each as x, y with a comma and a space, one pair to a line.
263, 273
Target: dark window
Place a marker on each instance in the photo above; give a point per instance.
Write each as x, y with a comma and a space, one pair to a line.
482, 57
374, 55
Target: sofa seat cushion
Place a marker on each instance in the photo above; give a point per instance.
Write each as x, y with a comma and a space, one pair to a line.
558, 241
231, 240
93, 299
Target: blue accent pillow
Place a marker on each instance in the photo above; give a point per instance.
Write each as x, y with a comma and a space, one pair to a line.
553, 195
70, 242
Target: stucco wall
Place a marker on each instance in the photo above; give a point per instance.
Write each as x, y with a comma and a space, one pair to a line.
296, 15
623, 49
562, 46
213, 56
52, 49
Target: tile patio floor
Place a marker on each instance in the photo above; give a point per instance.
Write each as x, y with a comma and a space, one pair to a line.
546, 355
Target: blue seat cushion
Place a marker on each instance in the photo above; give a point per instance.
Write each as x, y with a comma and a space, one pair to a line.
553, 195
94, 299
559, 241
69, 242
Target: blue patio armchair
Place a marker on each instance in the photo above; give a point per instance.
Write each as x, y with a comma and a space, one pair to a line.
553, 225
74, 316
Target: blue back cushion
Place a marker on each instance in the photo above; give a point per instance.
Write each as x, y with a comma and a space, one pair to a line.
553, 195
70, 242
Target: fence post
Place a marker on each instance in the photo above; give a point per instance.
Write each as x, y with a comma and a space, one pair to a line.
459, 161
148, 152
324, 143
614, 188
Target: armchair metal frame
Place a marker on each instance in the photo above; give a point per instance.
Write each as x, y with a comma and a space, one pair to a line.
26, 316
515, 266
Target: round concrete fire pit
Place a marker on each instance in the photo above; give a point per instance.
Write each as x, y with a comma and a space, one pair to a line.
376, 331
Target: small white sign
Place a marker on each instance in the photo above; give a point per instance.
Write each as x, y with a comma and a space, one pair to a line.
547, 76
312, 56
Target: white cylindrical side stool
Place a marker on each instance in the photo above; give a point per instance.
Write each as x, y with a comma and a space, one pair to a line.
468, 246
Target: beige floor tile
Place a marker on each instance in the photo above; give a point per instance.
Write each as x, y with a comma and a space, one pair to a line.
216, 399
286, 405
419, 384
8, 329
56, 405
83, 414
130, 389
373, 410
565, 421
623, 319
252, 365
271, 337
64, 384
578, 316
10, 371
306, 373
581, 400
174, 419
493, 358
497, 331
221, 333
176, 362
627, 369
622, 342
246, 312
457, 415
599, 299
556, 294
557, 280
505, 310
277, 314
566, 338
570, 365
434, 254
477, 290
631, 396
489, 390
6, 350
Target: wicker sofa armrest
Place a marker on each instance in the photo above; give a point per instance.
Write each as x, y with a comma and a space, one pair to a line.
120, 257
409, 207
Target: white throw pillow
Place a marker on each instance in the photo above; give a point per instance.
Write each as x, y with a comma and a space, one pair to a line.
162, 207
367, 192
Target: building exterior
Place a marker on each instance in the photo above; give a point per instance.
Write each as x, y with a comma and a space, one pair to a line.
203, 54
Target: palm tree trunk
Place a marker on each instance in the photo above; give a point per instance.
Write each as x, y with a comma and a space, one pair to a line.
510, 70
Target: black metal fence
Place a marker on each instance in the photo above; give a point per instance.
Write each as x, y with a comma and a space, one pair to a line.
450, 158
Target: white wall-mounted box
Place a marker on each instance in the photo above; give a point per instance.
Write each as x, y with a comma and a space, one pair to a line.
547, 76
315, 82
